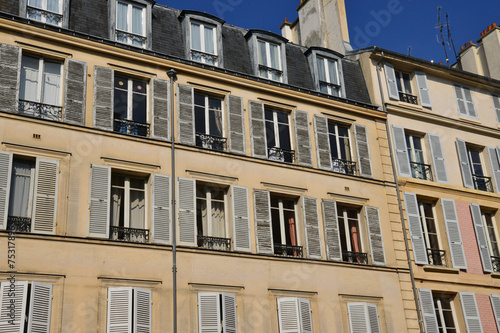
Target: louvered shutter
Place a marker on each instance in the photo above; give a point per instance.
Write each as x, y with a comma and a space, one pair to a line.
262, 207
236, 125
160, 90
19, 298
469, 102
258, 129
10, 69
331, 225
311, 223
357, 318
392, 86
438, 161
5, 175
375, 235
363, 148
161, 216
303, 138
241, 219
120, 310
305, 316
185, 99
75, 92
427, 310
372, 312
209, 313
494, 154
398, 136
415, 226
464, 164
496, 104
471, 313
423, 89
99, 203
45, 203
40, 308
187, 211
462, 106
453, 233
322, 142
229, 315
103, 97
288, 315
495, 304
142, 310
482, 240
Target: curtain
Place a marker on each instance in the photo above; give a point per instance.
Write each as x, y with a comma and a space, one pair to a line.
29, 79
355, 238
209, 40
35, 3
262, 53
218, 219
137, 21
53, 6
19, 202
116, 207
321, 69
291, 226
275, 60
332, 71
202, 206
121, 16
137, 209
51, 84
196, 36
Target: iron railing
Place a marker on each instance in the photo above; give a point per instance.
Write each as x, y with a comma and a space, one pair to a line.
408, 98
50, 17
211, 142
344, 166
421, 171
129, 234
436, 257
131, 127
482, 183
134, 38
280, 154
40, 110
496, 263
285, 250
206, 58
18, 224
355, 257
214, 243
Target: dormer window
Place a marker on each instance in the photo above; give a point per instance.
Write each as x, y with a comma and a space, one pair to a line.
130, 22
326, 66
54, 12
268, 55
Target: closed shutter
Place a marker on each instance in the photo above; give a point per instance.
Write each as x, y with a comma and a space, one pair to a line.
398, 135
236, 125
262, 207
258, 129
119, 310
40, 307
160, 90
482, 240
427, 310
438, 161
99, 203
363, 148
305, 316
161, 216
469, 102
322, 143
142, 310
229, 315
241, 219
209, 313
495, 304
19, 298
415, 226
494, 154
5, 175
357, 318
185, 99
392, 86
187, 211
75, 92
462, 106
288, 315
496, 104
10, 69
311, 223
372, 312
464, 164
423, 89
103, 97
453, 232
375, 234
331, 225
45, 203
303, 138
471, 313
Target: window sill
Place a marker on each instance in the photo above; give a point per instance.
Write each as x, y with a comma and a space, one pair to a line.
495, 275
441, 269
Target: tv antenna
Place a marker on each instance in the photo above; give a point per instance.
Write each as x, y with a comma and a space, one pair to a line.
450, 38
440, 27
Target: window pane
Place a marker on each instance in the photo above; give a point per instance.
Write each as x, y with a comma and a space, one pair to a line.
215, 123
275, 54
121, 16
343, 242
209, 40
218, 219
137, 209
290, 228
51, 84
407, 85
275, 218
398, 81
321, 69
137, 22
195, 36
282, 117
53, 6
35, 3
117, 207
332, 69
139, 108
199, 115
284, 137
29, 78
19, 202
355, 237
262, 53
120, 98
271, 140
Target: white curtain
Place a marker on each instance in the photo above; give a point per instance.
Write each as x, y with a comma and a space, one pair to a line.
121, 16
321, 69
262, 53
218, 219
196, 37
35, 3
53, 6
332, 68
29, 78
137, 209
209, 40
202, 204
137, 22
51, 84
116, 202
20, 190
275, 56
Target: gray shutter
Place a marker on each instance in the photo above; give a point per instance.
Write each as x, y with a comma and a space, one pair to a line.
453, 232
19, 298
10, 74
75, 92
415, 226
209, 319
258, 129
464, 164
305, 316
311, 223
357, 318
5, 175
482, 240
230, 321
161, 215
331, 225
372, 312
462, 106
45, 198
187, 211
322, 142
471, 313
241, 219
236, 125
438, 161
363, 148
142, 310
99, 203
103, 97
494, 154
288, 315
398, 136
423, 89
392, 86
469, 102
495, 304
303, 138
40, 307
375, 235
185, 100
427, 309
119, 310
160, 90
262, 206
496, 104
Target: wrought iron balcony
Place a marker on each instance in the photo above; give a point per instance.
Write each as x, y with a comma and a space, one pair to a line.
284, 250
408, 98
18, 224
271, 72
280, 154
206, 58
131, 127
436, 257
344, 166
129, 234
355, 257
128, 37
214, 243
40, 110
482, 183
50, 17
211, 142
496, 264
421, 171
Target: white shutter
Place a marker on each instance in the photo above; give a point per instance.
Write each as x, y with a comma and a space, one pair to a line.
496, 104
375, 235
469, 102
40, 308
322, 142
305, 316
229, 315
45, 203
288, 315
161, 216
262, 206
372, 312
119, 310
311, 224
427, 309
160, 109
464, 164
103, 97
471, 313
209, 313
495, 304
392, 86
187, 211
142, 310
258, 129
415, 226
482, 240
453, 232
5, 175
302, 138
99, 203
494, 154
331, 225
423, 89
363, 149
462, 106
185, 107
19, 297
241, 219
357, 318
438, 161
236, 124
398, 135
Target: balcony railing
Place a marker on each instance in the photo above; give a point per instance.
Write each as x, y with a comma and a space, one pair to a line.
280, 154
50, 17
436, 257
496, 264
421, 171
128, 37
408, 98
482, 183
211, 142
344, 166
131, 127
18, 224
285, 250
129, 234
40, 110
206, 58
355, 257
214, 243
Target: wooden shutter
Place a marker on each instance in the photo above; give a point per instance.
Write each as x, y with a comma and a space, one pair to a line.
357, 318
375, 235
427, 310
372, 312
494, 154
99, 203
258, 129
75, 92
462, 106
392, 86
187, 211
40, 307
161, 215
305, 316
438, 161
288, 315
209, 312
415, 226
10, 66
236, 125
303, 138
482, 240
469, 102
495, 304
262, 207
160, 90
331, 225
185, 100
103, 97
471, 313
453, 232
241, 219
496, 104
120, 310
423, 89
363, 148
142, 310
322, 143
398, 135
5, 175
229, 315
19, 298
45, 203
464, 164
311, 224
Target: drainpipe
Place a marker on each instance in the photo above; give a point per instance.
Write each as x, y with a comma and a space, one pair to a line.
394, 172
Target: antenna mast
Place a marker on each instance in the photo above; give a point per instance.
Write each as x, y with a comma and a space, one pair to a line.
440, 27
450, 38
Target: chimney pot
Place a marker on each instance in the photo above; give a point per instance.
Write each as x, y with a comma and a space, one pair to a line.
441, 63
485, 31
286, 20
462, 48
489, 27
494, 25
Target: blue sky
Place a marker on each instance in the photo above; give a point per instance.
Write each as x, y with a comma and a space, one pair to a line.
411, 24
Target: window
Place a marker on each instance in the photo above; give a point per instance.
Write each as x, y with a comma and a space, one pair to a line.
217, 313
328, 75
415, 149
399, 84
340, 149
294, 315
270, 60
363, 317
435, 255
46, 11
211, 217
443, 307
130, 106
491, 235
350, 235
284, 227
204, 43
279, 142
131, 23
496, 105
481, 182
465, 102
209, 124
403, 81
21, 195
129, 310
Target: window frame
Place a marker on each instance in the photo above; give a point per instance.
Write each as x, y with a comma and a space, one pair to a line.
281, 211
126, 198
494, 233
312, 55
276, 124
346, 168
31, 198
437, 297
401, 82
214, 142
208, 187
147, 21
130, 104
341, 207
253, 37
463, 90
63, 12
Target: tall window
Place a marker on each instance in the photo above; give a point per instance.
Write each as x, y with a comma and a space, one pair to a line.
130, 106
435, 255
217, 313
211, 217
270, 60
489, 224
284, 227
131, 23
46, 11
279, 144
403, 82
340, 149
443, 306
328, 72
208, 122
350, 235
419, 169
204, 43
481, 181
21, 194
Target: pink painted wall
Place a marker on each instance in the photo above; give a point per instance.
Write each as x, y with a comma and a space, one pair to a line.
486, 313
474, 265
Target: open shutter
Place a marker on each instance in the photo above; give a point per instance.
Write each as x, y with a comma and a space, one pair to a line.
471, 313
469, 102
236, 125
10, 67
322, 142
464, 164
305, 316
438, 161
453, 232
5, 175
494, 154
496, 104
160, 90
187, 211
229, 322
363, 148
357, 318
142, 310
75, 92
288, 315
103, 97
258, 129
241, 219
372, 312
311, 223
392, 86
375, 234
462, 106
209, 313
331, 225
262, 207
495, 304
415, 225
99, 203
423, 89
19, 299
161, 216
482, 240
427, 310
45, 203
120, 310
185, 99
398, 136
303, 138
40, 307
